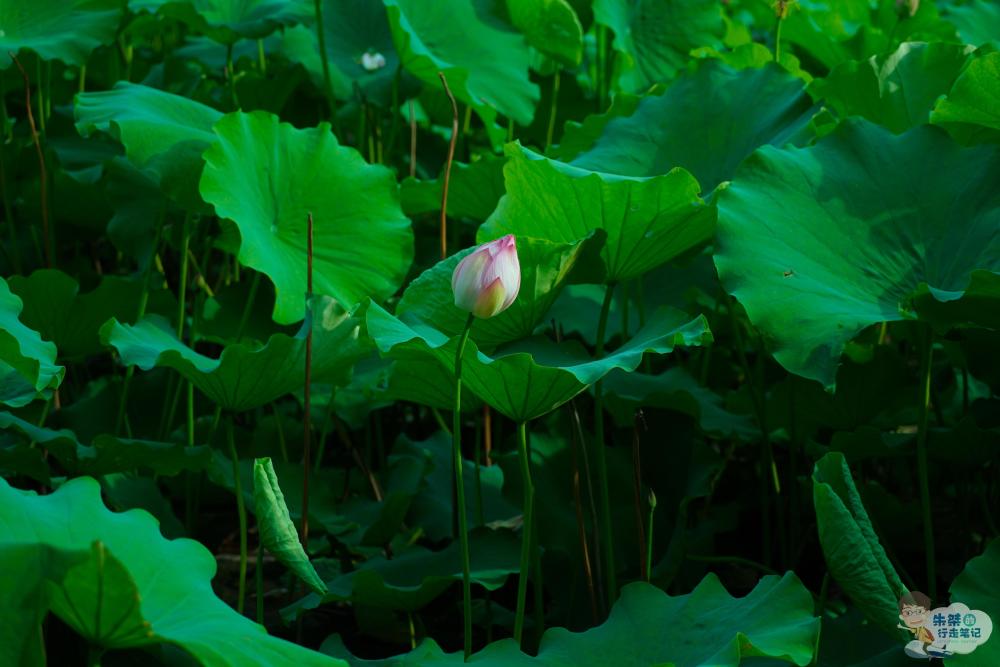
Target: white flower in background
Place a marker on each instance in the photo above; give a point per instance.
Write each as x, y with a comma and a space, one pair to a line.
372, 60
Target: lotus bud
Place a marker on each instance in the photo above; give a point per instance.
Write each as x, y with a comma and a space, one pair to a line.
487, 280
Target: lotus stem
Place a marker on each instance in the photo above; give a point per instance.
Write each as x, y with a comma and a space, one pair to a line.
325, 60
526, 531
553, 111
447, 166
463, 523
649, 536
42, 169
926, 362
307, 391
259, 581
240, 510
607, 540
231, 75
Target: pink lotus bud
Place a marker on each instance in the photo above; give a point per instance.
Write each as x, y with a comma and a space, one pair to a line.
487, 280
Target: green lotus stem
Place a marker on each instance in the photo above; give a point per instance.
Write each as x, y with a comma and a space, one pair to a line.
261, 58
40, 93
258, 575
231, 75
282, 444
607, 540
463, 523
248, 306
94, 655
553, 109
649, 536
526, 531
777, 40
325, 60
241, 511
324, 431
926, 362
601, 66
182, 281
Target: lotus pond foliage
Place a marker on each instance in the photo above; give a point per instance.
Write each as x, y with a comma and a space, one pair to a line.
509, 332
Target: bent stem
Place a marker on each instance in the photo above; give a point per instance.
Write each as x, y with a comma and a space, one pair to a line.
463, 524
526, 531
607, 539
240, 510
926, 359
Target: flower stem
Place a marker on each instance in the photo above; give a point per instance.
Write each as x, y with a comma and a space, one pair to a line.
926, 359
649, 536
240, 510
526, 531
258, 573
447, 167
325, 60
231, 75
607, 540
463, 523
553, 109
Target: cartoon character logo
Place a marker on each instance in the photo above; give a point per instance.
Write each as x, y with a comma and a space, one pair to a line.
941, 632
914, 612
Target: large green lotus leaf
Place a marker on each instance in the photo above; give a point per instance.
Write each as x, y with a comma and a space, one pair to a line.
163, 133
66, 30
978, 21
473, 190
971, 111
107, 454
545, 268
978, 586
228, 21
853, 553
551, 26
135, 588
246, 375
897, 90
351, 28
267, 177
412, 579
648, 627
707, 121
53, 307
674, 389
277, 532
653, 38
832, 32
648, 221
486, 62
27, 363
857, 239
535, 376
